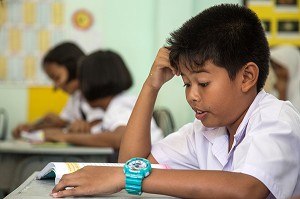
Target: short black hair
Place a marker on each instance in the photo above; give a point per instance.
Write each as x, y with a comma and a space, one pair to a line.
103, 73
229, 35
66, 54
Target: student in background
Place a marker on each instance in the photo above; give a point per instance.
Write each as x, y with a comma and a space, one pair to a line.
104, 78
285, 62
60, 64
243, 143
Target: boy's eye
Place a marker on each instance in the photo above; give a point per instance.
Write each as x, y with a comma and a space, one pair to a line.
203, 84
186, 85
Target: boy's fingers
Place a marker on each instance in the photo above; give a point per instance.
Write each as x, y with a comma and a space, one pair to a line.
66, 192
65, 181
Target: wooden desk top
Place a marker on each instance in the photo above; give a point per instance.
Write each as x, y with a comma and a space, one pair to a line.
40, 189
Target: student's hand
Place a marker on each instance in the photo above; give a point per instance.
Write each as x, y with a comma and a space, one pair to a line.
22, 127
161, 70
79, 126
55, 135
90, 180
51, 120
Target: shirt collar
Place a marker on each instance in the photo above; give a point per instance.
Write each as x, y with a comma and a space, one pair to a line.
219, 137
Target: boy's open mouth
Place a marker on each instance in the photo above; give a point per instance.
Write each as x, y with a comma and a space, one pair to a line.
200, 114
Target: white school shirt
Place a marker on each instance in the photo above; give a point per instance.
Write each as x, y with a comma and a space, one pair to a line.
71, 111
266, 146
118, 113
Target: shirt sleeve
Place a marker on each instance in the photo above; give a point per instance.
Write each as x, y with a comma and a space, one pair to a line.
270, 152
177, 150
117, 116
67, 112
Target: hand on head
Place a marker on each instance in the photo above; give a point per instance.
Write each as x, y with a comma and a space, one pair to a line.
161, 70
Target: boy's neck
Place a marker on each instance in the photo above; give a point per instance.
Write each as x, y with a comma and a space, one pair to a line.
231, 129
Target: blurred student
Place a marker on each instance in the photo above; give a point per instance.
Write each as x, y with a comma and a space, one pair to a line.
61, 66
285, 62
243, 143
104, 78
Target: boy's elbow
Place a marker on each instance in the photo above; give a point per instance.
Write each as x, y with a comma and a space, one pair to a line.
254, 190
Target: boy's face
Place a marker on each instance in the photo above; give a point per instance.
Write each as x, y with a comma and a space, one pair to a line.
213, 96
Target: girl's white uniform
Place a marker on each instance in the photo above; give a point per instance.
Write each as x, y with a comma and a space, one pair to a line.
77, 106
118, 113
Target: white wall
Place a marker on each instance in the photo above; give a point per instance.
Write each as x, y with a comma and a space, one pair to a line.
14, 99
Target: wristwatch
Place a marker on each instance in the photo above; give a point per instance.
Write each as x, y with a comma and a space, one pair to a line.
135, 170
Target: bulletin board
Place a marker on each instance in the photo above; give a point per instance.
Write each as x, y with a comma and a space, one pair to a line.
280, 19
27, 30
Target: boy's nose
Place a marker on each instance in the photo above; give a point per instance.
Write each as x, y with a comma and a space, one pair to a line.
194, 95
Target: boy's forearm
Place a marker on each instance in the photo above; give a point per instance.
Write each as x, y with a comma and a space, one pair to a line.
136, 142
204, 184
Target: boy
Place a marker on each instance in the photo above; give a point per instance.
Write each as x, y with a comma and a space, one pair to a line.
244, 143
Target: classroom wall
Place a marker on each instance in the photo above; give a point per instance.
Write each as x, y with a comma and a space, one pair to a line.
14, 99
134, 28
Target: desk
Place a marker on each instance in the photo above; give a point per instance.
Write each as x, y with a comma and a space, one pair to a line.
19, 159
40, 189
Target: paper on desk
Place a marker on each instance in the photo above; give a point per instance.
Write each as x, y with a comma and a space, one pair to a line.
57, 169
34, 136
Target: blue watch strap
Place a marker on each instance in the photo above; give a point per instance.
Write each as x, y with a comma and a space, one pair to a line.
133, 185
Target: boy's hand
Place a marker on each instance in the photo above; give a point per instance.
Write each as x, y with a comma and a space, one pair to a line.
90, 180
161, 70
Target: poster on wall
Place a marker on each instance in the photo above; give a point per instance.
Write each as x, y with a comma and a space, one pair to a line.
280, 19
27, 30
84, 31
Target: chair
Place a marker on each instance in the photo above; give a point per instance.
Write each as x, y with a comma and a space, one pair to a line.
3, 124
164, 120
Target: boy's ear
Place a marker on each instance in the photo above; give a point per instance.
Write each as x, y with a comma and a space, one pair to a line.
250, 75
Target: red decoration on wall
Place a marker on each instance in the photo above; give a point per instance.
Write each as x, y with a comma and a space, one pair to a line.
82, 19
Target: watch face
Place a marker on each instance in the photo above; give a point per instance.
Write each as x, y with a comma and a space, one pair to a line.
137, 165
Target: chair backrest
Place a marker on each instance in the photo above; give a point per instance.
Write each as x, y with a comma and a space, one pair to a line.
164, 120
3, 124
